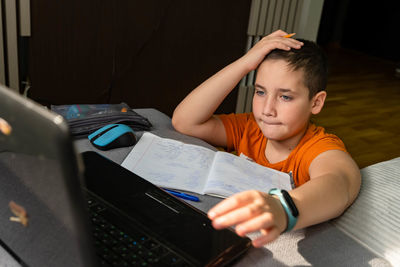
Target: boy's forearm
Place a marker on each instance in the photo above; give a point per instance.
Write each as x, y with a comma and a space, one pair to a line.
323, 198
202, 102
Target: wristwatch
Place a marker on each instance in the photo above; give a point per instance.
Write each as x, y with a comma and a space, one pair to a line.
288, 205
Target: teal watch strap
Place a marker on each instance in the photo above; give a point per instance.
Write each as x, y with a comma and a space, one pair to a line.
288, 205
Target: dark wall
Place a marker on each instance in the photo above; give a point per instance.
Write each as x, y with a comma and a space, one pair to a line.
370, 27
146, 53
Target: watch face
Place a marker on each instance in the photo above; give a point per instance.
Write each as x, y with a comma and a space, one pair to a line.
290, 203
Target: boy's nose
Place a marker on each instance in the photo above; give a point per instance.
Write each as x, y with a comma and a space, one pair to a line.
269, 107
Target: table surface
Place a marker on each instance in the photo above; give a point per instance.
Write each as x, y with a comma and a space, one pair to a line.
320, 245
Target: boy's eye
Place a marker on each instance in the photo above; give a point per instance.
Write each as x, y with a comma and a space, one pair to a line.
260, 93
286, 98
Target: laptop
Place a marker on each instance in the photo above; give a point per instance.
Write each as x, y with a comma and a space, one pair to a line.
59, 208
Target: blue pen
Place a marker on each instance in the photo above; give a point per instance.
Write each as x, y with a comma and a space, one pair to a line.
182, 195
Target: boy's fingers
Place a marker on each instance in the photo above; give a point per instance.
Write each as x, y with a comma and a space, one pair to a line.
293, 42
233, 202
263, 221
278, 33
232, 218
241, 215
280, 43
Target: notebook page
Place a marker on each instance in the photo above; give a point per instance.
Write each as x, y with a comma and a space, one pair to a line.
231, 174
170, 163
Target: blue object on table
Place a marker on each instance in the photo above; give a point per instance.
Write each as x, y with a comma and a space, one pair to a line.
113, 136
182, 195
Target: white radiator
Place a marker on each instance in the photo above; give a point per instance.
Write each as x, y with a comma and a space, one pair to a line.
266, 16
10, 29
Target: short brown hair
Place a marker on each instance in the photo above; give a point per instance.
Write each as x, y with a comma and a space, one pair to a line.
311, 59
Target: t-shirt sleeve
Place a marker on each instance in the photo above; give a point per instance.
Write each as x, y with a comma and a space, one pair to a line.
329, 142
235, 125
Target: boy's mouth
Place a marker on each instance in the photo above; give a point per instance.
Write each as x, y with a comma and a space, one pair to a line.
270, 122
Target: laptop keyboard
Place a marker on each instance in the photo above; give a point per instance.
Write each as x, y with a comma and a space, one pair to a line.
120, 247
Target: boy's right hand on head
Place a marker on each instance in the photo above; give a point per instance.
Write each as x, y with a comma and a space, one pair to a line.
275, 40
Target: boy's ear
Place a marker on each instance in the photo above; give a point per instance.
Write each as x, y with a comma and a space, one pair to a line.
318, 102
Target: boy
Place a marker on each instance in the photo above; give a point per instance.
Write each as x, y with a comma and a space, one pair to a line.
289, 87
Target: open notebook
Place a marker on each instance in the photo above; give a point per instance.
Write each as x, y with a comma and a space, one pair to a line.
173, 164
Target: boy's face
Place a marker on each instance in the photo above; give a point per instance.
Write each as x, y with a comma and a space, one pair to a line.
281, 104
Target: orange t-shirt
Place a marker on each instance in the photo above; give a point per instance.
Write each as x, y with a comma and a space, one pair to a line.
245, 137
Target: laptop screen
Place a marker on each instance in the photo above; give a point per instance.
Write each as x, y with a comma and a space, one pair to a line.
41, 208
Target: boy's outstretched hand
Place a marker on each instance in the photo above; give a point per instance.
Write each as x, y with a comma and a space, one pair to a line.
275, 40
251, 211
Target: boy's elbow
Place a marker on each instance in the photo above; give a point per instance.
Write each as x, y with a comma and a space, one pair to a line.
175, 122
355, 186
179, 124
353, 178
